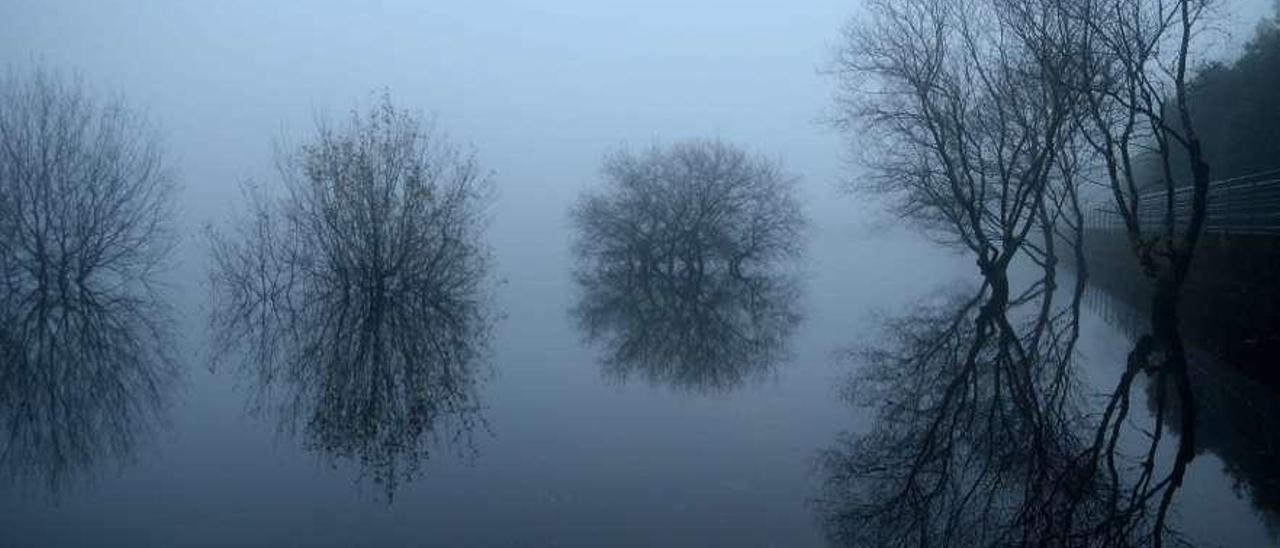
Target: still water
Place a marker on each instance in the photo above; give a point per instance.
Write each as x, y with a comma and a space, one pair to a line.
566, 451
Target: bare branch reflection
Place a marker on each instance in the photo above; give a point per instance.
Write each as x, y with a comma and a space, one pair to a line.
709, 332
984, 437
683, 265
359, 294
85, 362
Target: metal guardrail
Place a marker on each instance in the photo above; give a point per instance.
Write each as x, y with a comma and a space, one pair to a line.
1242, 205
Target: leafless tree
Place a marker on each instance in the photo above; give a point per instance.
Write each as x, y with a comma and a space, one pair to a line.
984, 116
360, 291
695, 205
684, 262
1134, 57
85, 364
956, 114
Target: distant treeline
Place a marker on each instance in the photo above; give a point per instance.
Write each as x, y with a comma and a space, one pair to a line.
1235, 110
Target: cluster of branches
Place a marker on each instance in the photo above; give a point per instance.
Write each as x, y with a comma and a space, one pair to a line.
987, 117
963, 125
684, 209
980, 435
708, 333
360, 291
85, 364
681, 260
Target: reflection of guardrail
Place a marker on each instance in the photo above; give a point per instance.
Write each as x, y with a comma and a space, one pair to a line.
1242, 205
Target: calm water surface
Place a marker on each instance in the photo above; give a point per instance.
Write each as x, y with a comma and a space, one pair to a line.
567, 454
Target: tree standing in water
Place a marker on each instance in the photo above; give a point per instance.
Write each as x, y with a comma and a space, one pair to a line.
85, 231
360, 291
978, 115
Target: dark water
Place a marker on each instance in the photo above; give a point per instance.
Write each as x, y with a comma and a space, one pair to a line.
567, 452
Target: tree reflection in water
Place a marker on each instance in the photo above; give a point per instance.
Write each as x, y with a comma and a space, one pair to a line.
683, 266
707, 332
983, 436
85, 359
1235, 413
357, 299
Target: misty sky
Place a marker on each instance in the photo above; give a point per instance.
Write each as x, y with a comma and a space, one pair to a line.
542, 89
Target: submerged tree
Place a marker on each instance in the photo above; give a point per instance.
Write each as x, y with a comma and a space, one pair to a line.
683, 262
85, 364
359, 292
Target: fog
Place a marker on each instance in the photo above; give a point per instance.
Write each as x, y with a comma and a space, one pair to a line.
541, 91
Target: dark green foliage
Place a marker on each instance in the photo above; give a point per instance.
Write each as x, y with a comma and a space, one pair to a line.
1237, 108
1236, 111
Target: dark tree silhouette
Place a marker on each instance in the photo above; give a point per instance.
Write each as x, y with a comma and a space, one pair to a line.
683, 262
950, 108
1237, 416
85, 363
695, 205
985, 116
983, 437
360, 292
1133, 59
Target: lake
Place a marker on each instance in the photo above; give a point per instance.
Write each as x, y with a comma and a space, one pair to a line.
565, 454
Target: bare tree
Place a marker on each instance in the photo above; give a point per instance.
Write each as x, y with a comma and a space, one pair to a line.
958, 118
1134, 58
693, 206
684, 264
360, 292
983, 115
85, 198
